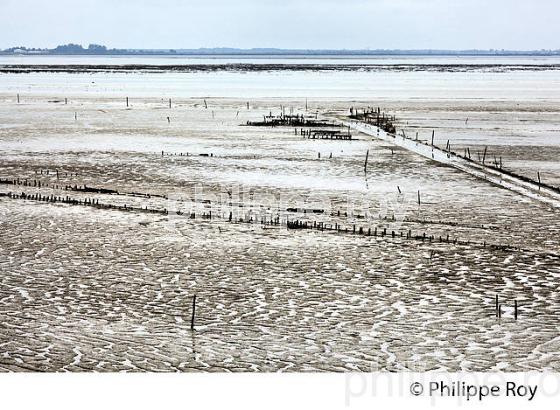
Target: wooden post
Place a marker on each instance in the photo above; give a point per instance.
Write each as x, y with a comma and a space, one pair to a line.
127, 101
18, 98
170, 103
484, 155
515, 310
539, 177
365, 164
497, 305
419, 197
433, 133
193, 310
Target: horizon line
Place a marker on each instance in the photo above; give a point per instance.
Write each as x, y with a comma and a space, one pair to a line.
73, 48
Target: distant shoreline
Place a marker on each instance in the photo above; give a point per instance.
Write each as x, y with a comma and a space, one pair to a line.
99, 50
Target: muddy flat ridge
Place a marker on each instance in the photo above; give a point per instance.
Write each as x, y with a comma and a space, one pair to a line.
240, 67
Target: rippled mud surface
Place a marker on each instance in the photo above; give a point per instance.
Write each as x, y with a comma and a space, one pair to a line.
88, 289
104, 292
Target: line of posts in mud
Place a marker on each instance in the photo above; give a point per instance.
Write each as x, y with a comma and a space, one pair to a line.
98, 190
128, 105
291, 224
169, 103
35, 183
126, 101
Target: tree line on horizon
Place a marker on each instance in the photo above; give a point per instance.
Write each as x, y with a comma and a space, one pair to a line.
97, 49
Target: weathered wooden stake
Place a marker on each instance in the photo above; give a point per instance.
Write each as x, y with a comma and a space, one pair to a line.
127, 101
193, 310
497, 305
515, 310
365, 164
539, 177
419, 197
18, 98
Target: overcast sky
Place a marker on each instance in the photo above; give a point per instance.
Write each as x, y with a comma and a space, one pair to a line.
325, 24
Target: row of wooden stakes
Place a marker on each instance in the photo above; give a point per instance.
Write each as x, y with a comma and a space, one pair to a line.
273, 221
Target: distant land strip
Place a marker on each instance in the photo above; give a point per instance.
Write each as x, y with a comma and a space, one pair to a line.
242, 67
99, 49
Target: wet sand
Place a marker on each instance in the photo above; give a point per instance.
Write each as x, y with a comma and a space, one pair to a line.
87, 289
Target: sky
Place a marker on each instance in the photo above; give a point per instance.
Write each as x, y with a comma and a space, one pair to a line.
295, 24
